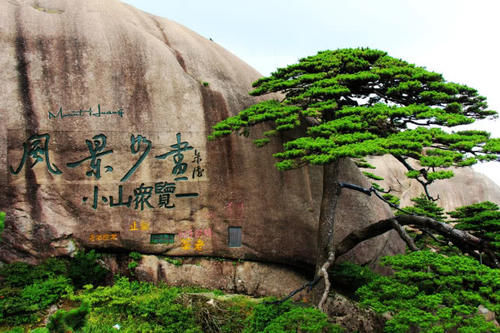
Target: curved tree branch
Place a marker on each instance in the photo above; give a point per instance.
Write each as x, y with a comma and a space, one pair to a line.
466, 242
404, 235
408, 167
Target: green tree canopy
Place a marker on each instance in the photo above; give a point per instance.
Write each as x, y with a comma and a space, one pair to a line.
359, 102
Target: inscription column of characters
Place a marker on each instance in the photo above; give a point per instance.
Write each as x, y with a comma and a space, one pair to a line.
96, 149
166, 189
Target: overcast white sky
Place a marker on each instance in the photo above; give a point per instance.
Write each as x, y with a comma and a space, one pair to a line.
458, 38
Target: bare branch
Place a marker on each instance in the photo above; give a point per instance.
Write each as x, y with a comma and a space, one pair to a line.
465, 241
425, 185
404, 235
367, 191
428, 233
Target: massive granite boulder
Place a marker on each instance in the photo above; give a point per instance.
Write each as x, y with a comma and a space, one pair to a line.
105, 112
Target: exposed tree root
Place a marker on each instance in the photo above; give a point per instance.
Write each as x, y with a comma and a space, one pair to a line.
324, 273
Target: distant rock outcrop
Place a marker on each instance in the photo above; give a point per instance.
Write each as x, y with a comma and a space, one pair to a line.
465, 188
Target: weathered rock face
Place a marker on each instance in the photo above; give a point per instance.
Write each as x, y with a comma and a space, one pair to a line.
251, 278
465, 188
105, 112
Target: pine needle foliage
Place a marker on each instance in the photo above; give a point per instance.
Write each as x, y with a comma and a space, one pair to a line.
360, 102
425, 207
480, 219
430, 292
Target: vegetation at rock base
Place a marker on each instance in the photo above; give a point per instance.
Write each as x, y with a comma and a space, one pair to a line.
353, 103
434, 293
429, 292
83, 269
66, 321
27, 291
2, 223
132, 265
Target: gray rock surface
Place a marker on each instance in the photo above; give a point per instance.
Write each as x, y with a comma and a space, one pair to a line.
250, 278
465, 188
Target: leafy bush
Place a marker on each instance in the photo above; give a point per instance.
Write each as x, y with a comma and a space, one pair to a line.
176, 262
135, 255
287, 317
2, 224
19, 306
434, 293
44, 293
21, 274
349, 277
67, 321
132, 265
263, 314
138, 307
26, 289
302, 320
84, 269
40, 330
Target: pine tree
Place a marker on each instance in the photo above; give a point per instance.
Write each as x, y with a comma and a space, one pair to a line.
352, 103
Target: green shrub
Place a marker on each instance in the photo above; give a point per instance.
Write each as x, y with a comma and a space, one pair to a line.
302, 320
287, 317
45, 293
21, 274
138, 307
2, 224
135, 255
84, 269
176, 262
40, 330
132, 265
29, 289
263, 314
434, 293
20, 306
67, 321
349, 277
18, 274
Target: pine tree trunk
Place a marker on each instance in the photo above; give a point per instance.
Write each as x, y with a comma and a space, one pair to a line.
331, 192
